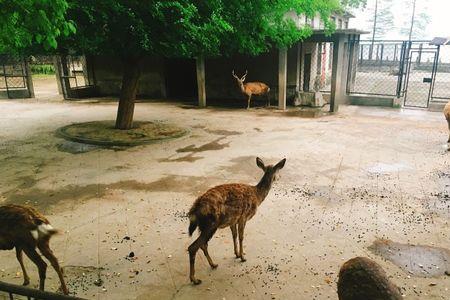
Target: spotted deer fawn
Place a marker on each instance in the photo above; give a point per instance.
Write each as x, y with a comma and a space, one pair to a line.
227, 205
447, 116
361, 278
24, 228
252, 88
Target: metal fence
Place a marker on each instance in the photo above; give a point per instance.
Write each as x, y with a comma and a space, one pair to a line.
17, 292
13, 73
415, 70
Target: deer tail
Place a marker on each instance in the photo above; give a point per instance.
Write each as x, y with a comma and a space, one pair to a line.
193, 224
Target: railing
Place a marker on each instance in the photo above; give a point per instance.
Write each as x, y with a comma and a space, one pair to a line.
10, 291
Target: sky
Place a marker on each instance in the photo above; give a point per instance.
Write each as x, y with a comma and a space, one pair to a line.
439, 11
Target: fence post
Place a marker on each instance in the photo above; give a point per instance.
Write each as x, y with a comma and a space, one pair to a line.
29, 77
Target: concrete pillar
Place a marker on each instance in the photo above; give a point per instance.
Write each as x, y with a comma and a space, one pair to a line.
282, 78
338, 74
29, 78
299, 67
201, 82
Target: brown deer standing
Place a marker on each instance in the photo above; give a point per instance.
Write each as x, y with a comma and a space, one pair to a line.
25, 229
447, 116
227, 205
361, 278
252, 88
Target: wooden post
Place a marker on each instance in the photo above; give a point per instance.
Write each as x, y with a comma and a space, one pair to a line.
200, 64
282, 76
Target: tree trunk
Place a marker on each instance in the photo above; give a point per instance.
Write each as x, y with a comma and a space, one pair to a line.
130, 79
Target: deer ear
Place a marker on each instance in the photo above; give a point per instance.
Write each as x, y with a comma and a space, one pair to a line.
260, 163
280, 165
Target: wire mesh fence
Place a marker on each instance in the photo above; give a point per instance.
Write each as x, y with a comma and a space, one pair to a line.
12, 72
378, 68
441, 84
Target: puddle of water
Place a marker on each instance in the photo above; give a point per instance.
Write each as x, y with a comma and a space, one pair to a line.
211, 146
382, 168
417, 260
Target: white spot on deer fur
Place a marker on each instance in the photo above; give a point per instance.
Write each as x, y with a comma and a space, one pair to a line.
45, 229
35, 234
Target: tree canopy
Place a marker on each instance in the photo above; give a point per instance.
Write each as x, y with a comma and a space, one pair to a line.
31, 24
189, 28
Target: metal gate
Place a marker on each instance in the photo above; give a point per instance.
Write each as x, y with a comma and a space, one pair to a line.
15, 77
421, 65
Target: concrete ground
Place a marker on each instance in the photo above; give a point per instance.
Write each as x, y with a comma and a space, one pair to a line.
352, 182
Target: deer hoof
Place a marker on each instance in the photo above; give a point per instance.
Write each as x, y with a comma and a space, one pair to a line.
243, 259
196, 281
214, 266
26, 282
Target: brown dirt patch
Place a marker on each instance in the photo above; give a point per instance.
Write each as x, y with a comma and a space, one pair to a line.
104, 133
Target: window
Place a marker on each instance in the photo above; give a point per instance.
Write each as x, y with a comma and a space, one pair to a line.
346, 24
333, 19
340, 24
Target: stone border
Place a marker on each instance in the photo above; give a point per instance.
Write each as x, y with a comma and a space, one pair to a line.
61, 132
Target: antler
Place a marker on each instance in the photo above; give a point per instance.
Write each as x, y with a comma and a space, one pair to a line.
234, 75
243, 77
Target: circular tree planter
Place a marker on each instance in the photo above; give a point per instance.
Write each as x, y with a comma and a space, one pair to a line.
103, 133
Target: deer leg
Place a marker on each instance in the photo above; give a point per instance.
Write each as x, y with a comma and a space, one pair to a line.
193, 248
204, 248
249, 98
40, 263
48, 253
19, 255
234, 233
268, 100
241, 227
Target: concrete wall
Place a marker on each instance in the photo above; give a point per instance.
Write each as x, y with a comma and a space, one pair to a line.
108, 76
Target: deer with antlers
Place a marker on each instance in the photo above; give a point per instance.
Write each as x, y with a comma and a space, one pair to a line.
24, 228
252, 88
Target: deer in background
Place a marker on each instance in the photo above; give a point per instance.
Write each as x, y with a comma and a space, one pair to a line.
362, 278
252, 88
447, 116
228, 205
24, 228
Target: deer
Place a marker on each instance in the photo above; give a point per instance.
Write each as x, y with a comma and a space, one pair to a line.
252, 88
25, 229
362, 278
227, 205
447, 116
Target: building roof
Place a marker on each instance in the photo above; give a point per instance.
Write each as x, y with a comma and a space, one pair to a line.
342, 31
438, 41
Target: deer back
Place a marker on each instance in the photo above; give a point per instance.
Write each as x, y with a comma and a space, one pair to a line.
447, 111
256, 88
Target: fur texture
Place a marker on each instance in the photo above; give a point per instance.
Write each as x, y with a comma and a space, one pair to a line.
363, 279
228, 205
24, 228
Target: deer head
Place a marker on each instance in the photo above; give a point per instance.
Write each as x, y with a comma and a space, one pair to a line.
270, 171
240, 80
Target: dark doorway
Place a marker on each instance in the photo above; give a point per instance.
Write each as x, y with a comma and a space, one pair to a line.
181, 78
307, 72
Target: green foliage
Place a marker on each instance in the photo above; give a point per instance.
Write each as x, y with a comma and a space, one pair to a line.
189, 28
30, 23
42, 69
